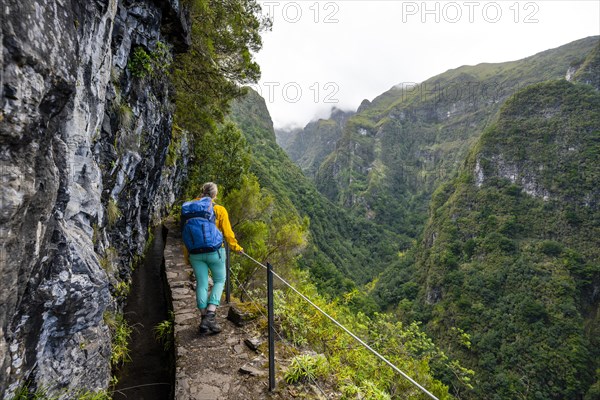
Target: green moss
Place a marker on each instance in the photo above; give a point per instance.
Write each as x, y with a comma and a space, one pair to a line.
173, 153
122, 289
95, 234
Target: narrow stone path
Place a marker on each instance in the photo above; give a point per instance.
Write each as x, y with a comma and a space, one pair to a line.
210, 367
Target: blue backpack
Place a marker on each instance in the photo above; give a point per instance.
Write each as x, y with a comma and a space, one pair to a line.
198, 227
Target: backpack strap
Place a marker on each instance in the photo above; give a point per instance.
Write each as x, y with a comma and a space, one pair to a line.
200, 214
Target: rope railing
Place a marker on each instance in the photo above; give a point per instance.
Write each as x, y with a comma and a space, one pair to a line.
359, 340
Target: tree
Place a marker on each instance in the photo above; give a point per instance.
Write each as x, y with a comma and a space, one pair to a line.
221, 156
208, 76
266, 230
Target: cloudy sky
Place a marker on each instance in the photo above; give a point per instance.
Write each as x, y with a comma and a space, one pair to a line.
322, 54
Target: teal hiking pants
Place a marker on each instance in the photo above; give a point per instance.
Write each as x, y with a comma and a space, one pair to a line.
201, 263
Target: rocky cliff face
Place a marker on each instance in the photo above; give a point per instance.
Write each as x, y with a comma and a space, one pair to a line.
309, 147
588, 71
85, 131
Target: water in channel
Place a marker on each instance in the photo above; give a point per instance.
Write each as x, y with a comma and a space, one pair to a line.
150, 374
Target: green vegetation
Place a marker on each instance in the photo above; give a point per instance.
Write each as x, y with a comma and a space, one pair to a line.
107, 262
120, 332
588, 71
510, 253
267, 229
155, 63
162, 59
125, 115
348, 367
25, 393
306, 367
122, 289
163, 332
225, 159
368, 390
100, 395
502, 275
272, 223
140, 64
149, 238
504, 271
309, 147
177, 137
95, 233
207, 77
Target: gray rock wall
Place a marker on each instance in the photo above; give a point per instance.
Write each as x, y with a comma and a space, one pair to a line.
80, 135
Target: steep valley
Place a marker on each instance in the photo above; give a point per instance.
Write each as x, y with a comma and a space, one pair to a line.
396, 150
500, 194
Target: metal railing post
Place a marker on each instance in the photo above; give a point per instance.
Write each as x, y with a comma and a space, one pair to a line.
227, 278
271, 327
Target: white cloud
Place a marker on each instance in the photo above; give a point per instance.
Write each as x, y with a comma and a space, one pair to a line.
338, 53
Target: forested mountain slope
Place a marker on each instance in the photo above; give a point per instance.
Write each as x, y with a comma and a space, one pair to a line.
397, 149
511, 252
309, 147
345, 250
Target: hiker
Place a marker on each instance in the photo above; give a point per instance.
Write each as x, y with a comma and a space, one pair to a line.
204, 224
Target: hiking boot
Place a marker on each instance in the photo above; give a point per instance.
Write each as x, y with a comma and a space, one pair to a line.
203, 325
209, 323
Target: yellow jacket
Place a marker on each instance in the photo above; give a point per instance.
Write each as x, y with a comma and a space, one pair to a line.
225, 227
222, 222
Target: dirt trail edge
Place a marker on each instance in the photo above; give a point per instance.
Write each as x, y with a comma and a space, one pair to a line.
210, 367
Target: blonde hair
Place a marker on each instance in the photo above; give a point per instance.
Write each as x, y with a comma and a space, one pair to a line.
209, 189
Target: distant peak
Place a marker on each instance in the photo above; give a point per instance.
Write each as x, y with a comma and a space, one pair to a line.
364, 104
